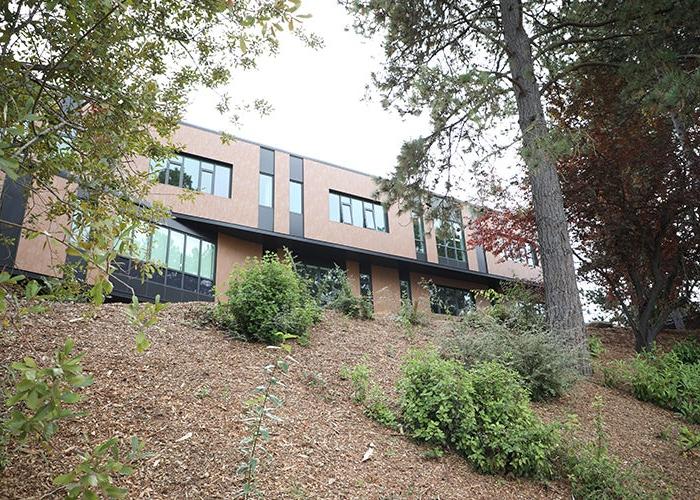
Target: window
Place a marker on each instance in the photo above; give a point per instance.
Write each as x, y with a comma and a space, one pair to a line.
206, 269
176, 250
366, 284
295, 197
450, 240
448, 300
192, 173
356, 211
525, 255
266, 190
419, 235
159, 245
192, 250
405, 289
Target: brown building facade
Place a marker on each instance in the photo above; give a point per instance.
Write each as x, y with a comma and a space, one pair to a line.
253, 198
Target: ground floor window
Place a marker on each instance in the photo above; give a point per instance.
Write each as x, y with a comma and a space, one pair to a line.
325, 281
449, 300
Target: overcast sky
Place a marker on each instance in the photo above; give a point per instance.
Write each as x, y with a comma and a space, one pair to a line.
317, 98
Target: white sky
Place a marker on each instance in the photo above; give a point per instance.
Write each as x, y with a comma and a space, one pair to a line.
317, 98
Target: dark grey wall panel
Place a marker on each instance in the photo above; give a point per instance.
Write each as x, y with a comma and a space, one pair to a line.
266, 218
13, 204
481, 259
296, 224
296, 169
267, 161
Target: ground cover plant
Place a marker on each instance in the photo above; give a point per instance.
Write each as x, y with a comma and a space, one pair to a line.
670, 380
267, 299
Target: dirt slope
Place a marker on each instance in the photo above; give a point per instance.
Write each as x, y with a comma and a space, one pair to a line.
195, 381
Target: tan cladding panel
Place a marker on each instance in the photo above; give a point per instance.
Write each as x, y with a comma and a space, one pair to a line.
242, 207
43, 254
281, 203
230, 253
512, 269
385, 289
319, 179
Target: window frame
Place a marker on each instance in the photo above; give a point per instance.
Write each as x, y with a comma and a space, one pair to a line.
163, 172
354, 211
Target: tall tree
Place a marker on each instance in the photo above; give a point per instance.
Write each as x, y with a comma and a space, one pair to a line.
471, 63
86, 86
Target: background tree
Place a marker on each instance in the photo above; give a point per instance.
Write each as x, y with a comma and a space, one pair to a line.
87, 86
472, 65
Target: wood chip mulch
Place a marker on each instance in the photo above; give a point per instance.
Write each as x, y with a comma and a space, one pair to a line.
185, 398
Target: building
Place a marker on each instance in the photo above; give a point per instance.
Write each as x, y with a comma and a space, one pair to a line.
254, 199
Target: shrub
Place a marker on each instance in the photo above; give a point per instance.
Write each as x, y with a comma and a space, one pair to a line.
436, 400
267, 298
617, 374
687, 351
350, 304
543, 363
377, 409
409, 315
595, 346
508, 437
359, 376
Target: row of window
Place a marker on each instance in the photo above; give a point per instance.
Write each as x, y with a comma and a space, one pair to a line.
176, 251
192, 173
525, 255
356, 211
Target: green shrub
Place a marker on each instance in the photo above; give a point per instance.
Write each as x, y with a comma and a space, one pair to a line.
617, 374
377, 409
359, 376
350, 304
267, 298
543, 363
409, 315
687, 351
595, 346
436, 400
507, 437
668, 382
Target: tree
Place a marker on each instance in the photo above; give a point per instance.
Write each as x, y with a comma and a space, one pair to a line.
471, 63
632, 202
86, 86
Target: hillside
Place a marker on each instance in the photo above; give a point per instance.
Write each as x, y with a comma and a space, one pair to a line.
193, 382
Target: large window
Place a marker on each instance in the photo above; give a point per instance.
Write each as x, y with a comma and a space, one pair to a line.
450, 240
295, 197
176, 251
357, 212
193, 173
266, 190
448, 300
419, 236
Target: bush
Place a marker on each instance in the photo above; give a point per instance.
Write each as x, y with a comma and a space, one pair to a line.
508, 437
595, 346
266, 299
351, 305
436, 400
378, 410
687, 351
543, 363
409, 315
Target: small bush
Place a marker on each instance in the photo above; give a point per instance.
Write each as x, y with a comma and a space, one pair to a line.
543, 363
267, 298
508, 436
351, 305
409, 315
595, 346
687, 351
436, 400
617, 374
377, 409
359, 376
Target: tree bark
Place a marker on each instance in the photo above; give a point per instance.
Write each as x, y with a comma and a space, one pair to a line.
561, 291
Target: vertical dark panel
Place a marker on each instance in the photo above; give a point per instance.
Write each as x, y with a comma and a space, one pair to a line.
481, 259
266, 215
13, 205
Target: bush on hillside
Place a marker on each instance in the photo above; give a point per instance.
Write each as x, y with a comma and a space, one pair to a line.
688, 351
508, 437
543, 363
267, 298
350, 304
436, 400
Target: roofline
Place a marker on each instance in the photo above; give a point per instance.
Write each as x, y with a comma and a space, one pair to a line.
274, 148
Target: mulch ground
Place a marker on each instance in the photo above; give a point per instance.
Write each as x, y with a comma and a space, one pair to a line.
185, 398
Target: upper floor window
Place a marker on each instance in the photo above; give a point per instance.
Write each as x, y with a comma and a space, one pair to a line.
193, 173
266, 190
356, 211
295, 197
525, 254
450, 240
419, 236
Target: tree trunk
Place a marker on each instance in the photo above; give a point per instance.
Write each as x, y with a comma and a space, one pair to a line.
561, 291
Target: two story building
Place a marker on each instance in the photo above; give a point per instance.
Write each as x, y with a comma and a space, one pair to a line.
255, 198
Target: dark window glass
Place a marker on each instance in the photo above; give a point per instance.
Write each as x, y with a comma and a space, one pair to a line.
295, 197
405, 289
190, 283
450, 240
222, 181
173, 278
448, 300
365, 284
369, 215
419, 235
174, 168
334, 207
266, 190
346, 210
267, 161
206, 286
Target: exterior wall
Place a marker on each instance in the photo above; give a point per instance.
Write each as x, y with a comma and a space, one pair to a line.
385, 289
352, 269
281, 192
318, 180
420, 294
42, 254
511, 269
231, 252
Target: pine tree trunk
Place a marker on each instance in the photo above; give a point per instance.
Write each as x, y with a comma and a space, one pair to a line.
561, 291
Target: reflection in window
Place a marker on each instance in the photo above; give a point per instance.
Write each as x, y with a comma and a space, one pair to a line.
358, 212
176, 250
419, 235
450, 240
192, 254
448, 300
266, 190
206, 269
295, 197
192, 173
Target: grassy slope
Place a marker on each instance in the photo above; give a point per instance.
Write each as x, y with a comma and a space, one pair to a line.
195, 381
